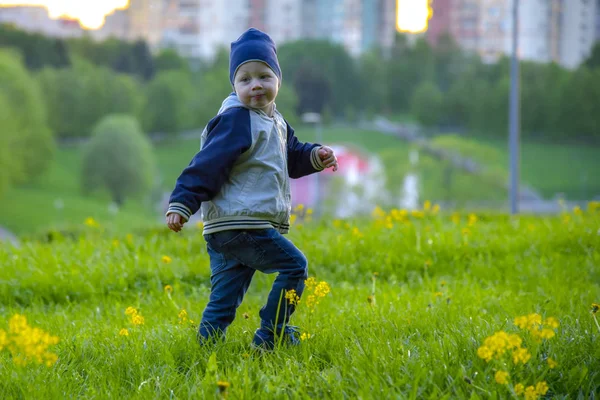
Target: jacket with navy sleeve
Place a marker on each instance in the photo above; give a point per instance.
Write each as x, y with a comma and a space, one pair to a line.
240, 177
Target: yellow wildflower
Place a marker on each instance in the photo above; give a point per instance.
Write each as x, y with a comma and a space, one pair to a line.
519, 389
91, 222
305, 336
3, 339
541, 388
455, 218
168, 289
595, 308
137, 319
337, 223
485, 352
501, 377
514, 340
309, 211
435, 210
546, 333
357, 233
299, 208
530, 393
124, 332
322, 289
292, 297
551, 363
293, 218
551, 322
223, 385
521, 355
466, 231
427, 205
130, 311
577, 210
166, 259
472, 219
183, 315
378, 213
200, 225
115, 243
593, 206
310, 283
438, 294
417, 214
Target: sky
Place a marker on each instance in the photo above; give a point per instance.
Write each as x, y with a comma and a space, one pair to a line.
90, 13
412, 15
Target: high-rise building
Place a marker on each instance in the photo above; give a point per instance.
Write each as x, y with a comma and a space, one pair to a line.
464, 23
440, 22
284, 20
36, 19
578, 31
144, 19
597, 20
258, 14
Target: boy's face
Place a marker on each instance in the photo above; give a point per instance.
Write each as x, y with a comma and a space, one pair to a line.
256, 85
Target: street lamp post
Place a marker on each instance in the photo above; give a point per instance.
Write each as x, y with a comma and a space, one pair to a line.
514, 113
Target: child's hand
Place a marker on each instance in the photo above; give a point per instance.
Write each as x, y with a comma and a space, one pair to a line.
328, 158
175, 222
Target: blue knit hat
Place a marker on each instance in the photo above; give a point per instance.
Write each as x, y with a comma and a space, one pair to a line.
253, 45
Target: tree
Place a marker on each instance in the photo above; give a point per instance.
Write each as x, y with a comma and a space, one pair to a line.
426, 104
593, 61
168, 98
32, 143
78, 97
331, 66
169, 59
119, 158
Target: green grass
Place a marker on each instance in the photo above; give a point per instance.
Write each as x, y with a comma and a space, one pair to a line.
438, 293
568, 169
32, 209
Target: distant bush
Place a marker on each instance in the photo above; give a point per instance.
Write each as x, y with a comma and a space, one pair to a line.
26, 137
118, 158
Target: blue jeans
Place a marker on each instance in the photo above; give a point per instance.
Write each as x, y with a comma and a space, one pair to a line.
234, 257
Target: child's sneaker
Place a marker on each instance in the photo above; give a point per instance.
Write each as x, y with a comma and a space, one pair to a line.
265, 340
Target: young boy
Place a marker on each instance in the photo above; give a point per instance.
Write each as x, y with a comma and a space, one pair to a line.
240, 180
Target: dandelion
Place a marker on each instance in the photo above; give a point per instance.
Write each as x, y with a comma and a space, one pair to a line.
438, 294
501, 377
371, 299
577, 211
166, 259
466, 231
305, 336
417, 214
309, 211
168, 289
546, 333
3, 339
137, 319
27, 344
551, 322
123, 332
485, 353
299, 208
435, 210
593, 206
551, 363
595, 308
293, 218
200, 225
